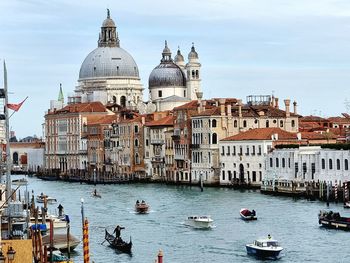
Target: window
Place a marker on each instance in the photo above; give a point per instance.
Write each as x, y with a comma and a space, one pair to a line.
330, 164
293, 123
240, 150
296, 169
281, 123
283, 162
313, 170
254, 176
247, 151
229, 175
136, 128
228, 150
244, 123
338, 164
160, 93
223, 175
233, 150
147, 142
136, 142
259, 152
213, 123
271, 162
277, 162
253, 152
235, 124
215, 138
222, 150
304, 170
267, 124
323, 164
346, 164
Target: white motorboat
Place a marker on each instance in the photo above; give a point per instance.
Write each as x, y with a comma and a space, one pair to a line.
264, 248
199, 221
50, 200
58, 222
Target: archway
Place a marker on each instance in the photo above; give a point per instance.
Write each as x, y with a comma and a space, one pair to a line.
241, 173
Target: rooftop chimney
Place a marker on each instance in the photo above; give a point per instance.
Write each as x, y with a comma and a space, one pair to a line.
229, 112
276, 103
287, 103
239, 102
199, 97
222, 106
295, 107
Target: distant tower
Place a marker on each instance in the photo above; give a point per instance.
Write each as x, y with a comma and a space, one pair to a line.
193, 73
179, 59
60, 95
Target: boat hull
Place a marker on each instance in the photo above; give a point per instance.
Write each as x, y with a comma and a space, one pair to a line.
141, 208
118, 245
263, 253
334, 224
199, 223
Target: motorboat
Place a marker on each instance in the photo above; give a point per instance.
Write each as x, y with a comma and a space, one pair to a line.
44, 225
347, 205
199, 221
246, 214
330, 219
60, 241
58, 256
264, 248
41, 199
141, 207
118, 243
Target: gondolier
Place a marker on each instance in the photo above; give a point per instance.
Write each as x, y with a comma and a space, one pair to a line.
117, 231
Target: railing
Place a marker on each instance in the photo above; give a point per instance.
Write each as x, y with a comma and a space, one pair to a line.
157, 141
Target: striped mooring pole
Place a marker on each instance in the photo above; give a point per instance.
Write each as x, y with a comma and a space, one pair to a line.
86, 241
336, 190
346, 196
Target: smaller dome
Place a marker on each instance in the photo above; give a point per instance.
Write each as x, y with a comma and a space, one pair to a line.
108, 22
193, 54
166, 74
179, 57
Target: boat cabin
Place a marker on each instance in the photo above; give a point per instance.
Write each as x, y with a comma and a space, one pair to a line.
266, 243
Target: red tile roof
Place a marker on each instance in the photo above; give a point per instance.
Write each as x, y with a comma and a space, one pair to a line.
262, 134
166, 121
108, 119
190, 105
82, 107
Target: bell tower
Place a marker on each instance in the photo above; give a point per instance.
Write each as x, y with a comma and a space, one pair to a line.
108, 36
193, 74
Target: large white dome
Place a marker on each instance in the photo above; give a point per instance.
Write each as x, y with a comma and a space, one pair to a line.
108, 62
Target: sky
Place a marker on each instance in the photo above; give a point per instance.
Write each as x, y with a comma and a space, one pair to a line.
296, 49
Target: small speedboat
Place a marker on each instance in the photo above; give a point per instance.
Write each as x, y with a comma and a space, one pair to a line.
246, 214
199, 221
41, 199
141, 208
264, 248
347, 205
330, 219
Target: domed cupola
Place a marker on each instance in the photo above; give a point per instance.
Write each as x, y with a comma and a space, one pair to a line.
109, 59
179, 59
167, 73
193, 55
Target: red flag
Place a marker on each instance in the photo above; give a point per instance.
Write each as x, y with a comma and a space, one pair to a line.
16, 107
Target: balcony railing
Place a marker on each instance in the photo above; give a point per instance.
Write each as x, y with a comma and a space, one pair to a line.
157, 141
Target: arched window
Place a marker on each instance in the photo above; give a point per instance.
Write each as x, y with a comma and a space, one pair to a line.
15, 158
193, 74
281, 123
215, 138
293, 123
277, 162
213, 123
197, 74
137, 158
136, 142
323, 164
271, 162
244, 123
267, 124
330, 164
283, 162
235, 124
123, 101
338, 164
346, 164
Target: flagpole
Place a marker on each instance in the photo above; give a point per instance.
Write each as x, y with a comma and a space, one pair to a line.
7, 135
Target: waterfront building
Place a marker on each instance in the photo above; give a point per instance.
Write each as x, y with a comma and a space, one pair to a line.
109, 74
65, 146
227, 117
157, 157
172, 83
242, 156
97, 133
27, 156
308, 164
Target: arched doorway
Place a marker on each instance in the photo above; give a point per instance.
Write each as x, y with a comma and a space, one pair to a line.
15, 158
241, 173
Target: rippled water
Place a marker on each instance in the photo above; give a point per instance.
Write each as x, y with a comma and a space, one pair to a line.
293, 222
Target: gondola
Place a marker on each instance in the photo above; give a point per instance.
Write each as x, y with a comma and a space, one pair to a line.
119, 243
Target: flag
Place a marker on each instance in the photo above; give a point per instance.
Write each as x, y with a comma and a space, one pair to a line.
16, 107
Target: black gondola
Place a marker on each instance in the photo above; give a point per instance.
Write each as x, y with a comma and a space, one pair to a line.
119, 243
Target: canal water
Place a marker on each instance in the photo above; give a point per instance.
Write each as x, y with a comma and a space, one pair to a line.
293, 223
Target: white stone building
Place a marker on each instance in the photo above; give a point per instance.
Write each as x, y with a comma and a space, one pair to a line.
242, 156
308, 164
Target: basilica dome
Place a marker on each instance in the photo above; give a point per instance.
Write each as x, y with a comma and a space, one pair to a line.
109, 62
167, 73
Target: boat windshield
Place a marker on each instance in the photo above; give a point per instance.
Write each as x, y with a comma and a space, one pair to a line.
272, 244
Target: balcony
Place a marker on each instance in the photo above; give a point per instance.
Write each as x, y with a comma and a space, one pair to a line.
157, 141
194, 146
